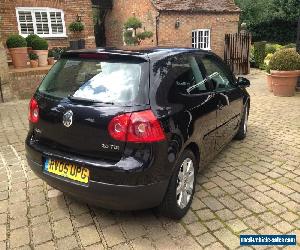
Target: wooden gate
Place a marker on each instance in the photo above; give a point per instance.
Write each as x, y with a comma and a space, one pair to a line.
237, 52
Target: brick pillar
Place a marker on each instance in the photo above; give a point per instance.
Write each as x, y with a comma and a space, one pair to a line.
3, 58
298, 49
3, 69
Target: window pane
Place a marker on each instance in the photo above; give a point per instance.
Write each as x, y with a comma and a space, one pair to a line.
216, 72
109, 81
56, 22
42, 26
26, 23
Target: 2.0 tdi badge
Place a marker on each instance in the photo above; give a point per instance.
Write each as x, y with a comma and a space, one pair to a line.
68, 119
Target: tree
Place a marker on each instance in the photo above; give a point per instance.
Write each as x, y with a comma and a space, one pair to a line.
131, 36
271, 20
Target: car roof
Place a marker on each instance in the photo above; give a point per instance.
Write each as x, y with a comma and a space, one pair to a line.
152, 53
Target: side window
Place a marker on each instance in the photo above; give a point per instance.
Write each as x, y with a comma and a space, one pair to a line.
217, 73
185, 75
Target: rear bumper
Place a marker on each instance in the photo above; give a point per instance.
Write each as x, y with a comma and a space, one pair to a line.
110, 196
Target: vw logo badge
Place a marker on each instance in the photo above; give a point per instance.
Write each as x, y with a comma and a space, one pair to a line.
68, 119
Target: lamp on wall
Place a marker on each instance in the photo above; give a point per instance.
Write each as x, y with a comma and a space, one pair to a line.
78, 18
177, 23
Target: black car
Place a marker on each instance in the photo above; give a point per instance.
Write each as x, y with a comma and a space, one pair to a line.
130, 130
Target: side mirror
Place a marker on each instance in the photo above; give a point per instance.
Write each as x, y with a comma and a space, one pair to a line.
243, 82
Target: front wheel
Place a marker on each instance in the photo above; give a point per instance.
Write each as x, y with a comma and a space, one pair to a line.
181, 188
242, 132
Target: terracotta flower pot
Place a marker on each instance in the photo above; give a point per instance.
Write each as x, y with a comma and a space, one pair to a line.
19, 57
284, 82
269, 82
34, 63
29, 50
43, 56
50, 60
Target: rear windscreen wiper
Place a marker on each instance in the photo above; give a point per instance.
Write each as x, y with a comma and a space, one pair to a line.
80, 99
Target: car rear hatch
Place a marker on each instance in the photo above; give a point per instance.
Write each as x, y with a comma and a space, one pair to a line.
79, 97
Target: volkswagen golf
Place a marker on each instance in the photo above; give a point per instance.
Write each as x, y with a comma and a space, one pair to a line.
130, 130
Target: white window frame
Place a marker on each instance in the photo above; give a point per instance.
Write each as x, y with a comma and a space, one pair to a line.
197, 41
48, 10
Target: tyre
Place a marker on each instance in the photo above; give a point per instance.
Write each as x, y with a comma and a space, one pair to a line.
242, 132
181, 189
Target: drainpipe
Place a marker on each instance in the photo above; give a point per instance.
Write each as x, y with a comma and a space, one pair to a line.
157, 28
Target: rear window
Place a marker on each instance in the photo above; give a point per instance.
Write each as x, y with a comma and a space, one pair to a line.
121, 82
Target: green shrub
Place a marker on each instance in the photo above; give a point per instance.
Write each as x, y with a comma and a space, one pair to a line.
129, 39
33, 56
50, 53
76, 26
285, 60
259, 53
271, 48
57, 52
268, 58
133, 23
290, 46
30, 38
144, 35
39, 44
16, 41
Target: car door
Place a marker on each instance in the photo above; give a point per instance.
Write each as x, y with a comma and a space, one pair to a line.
229, 98
192, 106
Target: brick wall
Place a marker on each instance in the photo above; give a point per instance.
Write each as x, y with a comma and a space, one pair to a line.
22, 85
219, 24
70, 7
122, 10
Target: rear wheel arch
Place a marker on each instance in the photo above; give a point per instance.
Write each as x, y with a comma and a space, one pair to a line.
195, 149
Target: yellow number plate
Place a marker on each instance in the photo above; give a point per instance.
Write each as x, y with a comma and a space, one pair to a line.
67, 170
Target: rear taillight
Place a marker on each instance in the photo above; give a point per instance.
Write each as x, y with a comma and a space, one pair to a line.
137, 127
33, 115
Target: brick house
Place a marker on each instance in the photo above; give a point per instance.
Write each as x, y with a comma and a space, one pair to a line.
188, 23
47, 18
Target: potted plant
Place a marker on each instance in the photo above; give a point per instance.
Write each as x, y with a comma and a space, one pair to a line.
268, 72
50, 57
34, 63
17, 46
29, 40
285, 70
40, 47
77, 28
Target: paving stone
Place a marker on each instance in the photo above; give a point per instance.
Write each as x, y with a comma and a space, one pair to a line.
227, 238
133, 229
2, 232
142, 243
254, 206
19, 237
205, 214
254, 222
187, 242
236, 225
175, 229
45, 246
113, 235
284, 227
196, 228
206, 239
41, 233
63, 228
226, 214
212, 203
67, 243
289, 216
83, 220
270, 218
166, 243
97, 246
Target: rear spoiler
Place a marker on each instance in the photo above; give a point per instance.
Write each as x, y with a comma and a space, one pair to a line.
105, 56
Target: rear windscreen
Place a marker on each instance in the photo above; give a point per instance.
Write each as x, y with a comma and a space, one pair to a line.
98, 81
